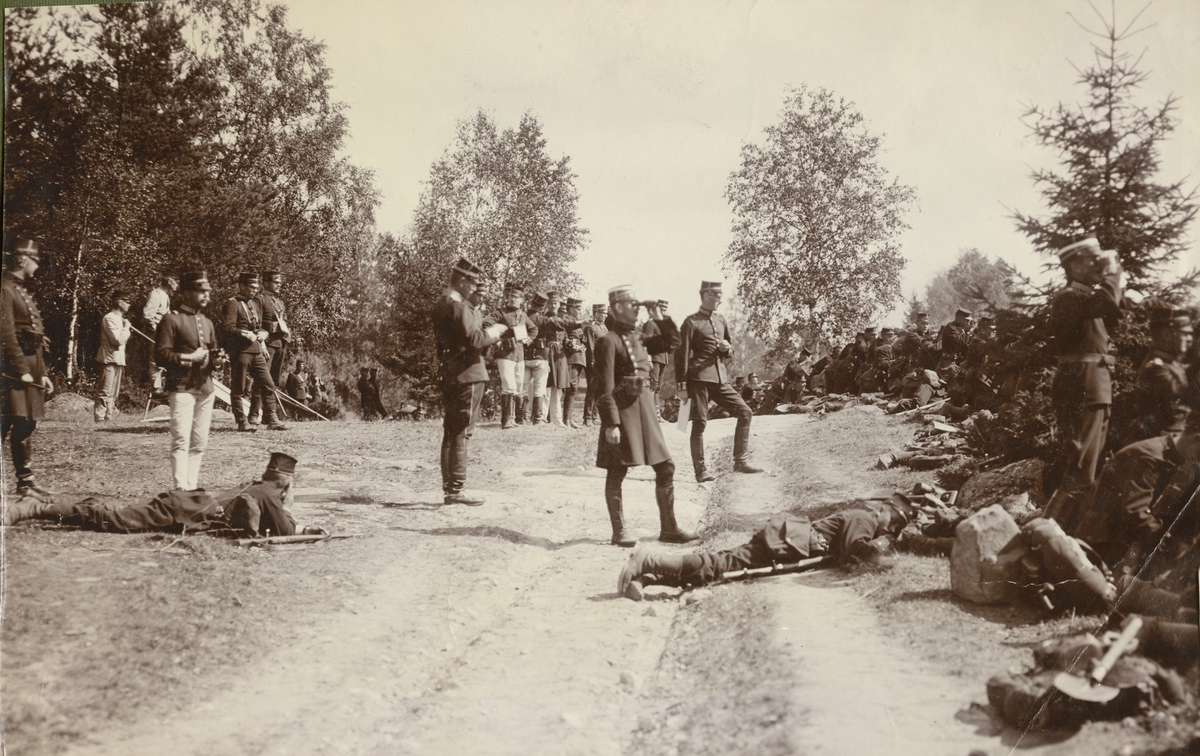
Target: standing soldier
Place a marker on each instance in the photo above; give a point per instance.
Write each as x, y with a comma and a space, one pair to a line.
244, 332
630, 433
1162, 380
24, 382
158, 304
658, 362
510, 352
1081, 394
460, 346
592, 332
554, 334
537, 363
278, 335
185, 345
365, 403
704, 342
575, 353
114, 333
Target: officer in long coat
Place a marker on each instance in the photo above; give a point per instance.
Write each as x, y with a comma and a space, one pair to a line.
461, 342
575, 352
630, 433
1081, 394
23, 383
1162, 380
591, 334
704, 341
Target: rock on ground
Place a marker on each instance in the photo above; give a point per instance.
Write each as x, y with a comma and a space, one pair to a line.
975, 574
1005, 485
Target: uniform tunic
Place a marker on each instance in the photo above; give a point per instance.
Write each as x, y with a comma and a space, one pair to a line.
623, 395
1158, 394
22, 333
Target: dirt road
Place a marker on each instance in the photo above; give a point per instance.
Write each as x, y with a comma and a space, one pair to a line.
497, 629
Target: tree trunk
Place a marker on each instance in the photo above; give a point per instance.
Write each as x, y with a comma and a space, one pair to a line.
73, 328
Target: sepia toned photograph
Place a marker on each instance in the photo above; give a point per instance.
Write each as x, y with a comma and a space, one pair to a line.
626, 378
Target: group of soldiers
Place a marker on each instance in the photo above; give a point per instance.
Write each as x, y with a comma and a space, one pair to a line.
546, 353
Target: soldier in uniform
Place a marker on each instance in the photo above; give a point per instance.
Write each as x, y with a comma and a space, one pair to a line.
537, 363
24, 383
510, 352
952, 343
1081, 394
460, 345
185, 345
860, 533
246, 339
575, 353
630, 433
704, 340
556, 361
975, 385
591, 334
274, 312
658, 362
1162, 379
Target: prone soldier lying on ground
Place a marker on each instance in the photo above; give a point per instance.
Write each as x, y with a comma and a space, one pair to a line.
861, 533
256, 508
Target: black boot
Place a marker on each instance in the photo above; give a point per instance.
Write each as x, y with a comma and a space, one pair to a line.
741, 451
702, 474
568, 408
669, 531
620, 536
535, 416
521, 402
506, 403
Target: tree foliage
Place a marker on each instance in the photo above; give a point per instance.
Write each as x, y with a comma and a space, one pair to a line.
815, 219
974, 283
142, 138
1109, 151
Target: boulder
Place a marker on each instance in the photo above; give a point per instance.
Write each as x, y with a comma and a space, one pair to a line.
976, 572
995, 486
69, 407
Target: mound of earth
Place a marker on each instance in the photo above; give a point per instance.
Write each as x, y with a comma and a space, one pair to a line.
69, 407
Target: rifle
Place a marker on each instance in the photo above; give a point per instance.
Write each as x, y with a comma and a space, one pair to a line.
804, 565
300, 538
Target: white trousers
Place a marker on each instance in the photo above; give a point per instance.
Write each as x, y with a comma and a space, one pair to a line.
512, 376
191, 415
537, 372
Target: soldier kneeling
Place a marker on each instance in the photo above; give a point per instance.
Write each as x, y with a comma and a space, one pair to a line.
255, 508
862, 533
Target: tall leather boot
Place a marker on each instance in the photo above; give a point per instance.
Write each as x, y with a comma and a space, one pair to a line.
648, 568
741, 450
669, 531
568, 408
535, 414
521, 403
613, 498
506, 403
702, 474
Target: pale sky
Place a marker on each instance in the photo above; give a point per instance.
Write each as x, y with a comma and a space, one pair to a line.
653, 100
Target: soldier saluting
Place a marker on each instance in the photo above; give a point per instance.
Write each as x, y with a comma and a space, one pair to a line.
461, 339
704, 340
1081, 394
24, 382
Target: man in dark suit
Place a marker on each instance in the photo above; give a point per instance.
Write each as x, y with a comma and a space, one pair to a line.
461, 340
630, 434
24, 383
704, 341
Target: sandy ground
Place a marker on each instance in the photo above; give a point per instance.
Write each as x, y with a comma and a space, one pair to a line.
497, 629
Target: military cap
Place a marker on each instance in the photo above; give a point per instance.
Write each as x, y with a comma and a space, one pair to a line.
885, 331
248, 278
272, 275
869, 331
599, 308
514, 286
985, 320
621, 293
552, 296
1087, 244
539, 300
27, 247
1160, 316
284, 464
921, 316
962, 312
573, 302
1179, 419
805, 352
465, 267
118, 295
710, 286
195, 280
